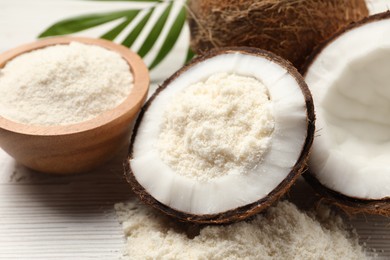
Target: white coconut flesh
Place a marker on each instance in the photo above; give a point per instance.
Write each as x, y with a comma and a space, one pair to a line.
350, 84
204, 190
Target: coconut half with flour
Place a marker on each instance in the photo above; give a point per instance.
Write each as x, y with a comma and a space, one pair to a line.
223, 138
349, 78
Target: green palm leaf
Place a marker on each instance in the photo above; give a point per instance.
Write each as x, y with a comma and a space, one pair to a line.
84, 22
80, 23
130, 39
190, 55
171, 38
114, 32
155, 32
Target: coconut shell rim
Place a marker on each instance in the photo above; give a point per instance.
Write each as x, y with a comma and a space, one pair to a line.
243, 212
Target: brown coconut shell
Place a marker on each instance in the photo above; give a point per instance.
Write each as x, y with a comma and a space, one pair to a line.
349, 205
290, 29
243, 212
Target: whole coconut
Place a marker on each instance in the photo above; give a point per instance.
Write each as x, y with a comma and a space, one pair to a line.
289, 28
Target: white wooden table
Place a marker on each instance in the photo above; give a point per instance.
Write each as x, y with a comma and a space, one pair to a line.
72, 217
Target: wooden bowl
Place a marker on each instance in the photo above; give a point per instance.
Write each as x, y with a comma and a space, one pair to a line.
77, 147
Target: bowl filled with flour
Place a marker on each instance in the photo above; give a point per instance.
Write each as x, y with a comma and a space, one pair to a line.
67, 103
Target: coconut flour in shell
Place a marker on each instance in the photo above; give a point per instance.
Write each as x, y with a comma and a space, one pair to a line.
217, 127
282, 232
63, 84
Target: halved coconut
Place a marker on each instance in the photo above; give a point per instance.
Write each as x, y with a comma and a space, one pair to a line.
350, 81
223, 138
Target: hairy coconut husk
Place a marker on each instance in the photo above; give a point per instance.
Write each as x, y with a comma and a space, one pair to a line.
289, 28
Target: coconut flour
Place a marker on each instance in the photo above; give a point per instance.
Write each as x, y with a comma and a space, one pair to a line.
282, 232
63, 84
217, 127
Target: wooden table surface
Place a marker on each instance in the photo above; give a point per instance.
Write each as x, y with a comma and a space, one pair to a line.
72, 217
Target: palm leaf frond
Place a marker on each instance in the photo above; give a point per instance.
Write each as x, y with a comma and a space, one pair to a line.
83, 22
155, 32
114, 32
171, 38
126, 18
132, 36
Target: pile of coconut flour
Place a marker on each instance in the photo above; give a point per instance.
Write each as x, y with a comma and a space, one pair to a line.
63, 84
282, 232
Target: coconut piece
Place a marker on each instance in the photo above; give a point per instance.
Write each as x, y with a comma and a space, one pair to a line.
244, 188
349, 79
291, 29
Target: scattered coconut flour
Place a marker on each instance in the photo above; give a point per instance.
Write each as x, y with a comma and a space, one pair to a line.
217, 127
282, 232
63, 84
